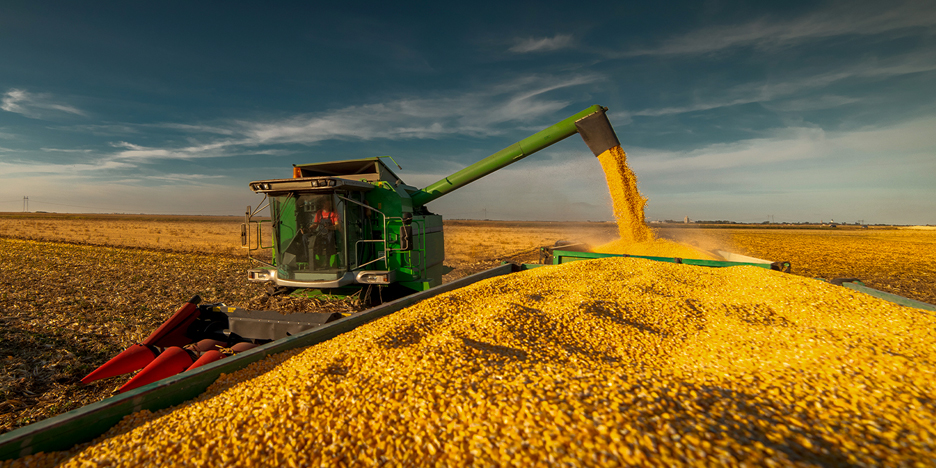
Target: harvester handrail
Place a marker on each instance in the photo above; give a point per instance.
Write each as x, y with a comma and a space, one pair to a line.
384, 240
264, 204
248, 221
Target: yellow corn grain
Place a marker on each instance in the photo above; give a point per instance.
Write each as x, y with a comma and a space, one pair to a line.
626, 200
636, 238
601, 363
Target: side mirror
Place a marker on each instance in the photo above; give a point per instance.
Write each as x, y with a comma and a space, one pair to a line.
244, 227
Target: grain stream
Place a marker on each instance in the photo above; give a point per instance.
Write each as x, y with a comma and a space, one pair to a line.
636, 238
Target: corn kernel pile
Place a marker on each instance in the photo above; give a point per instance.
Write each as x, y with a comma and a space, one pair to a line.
653, 248
636, 238
594, 363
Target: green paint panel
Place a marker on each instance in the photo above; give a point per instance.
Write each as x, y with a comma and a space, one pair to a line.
562, 256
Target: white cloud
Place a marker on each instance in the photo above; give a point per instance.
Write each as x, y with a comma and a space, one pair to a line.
61, 150
196, 178
842, 18
35, 106
476, 113
810, 104
788, 145
124, 144
877, 174
194, 128
768, 91
142, 154
797, 146
108, 130
564, 182
910, 137
542, 44
13, 170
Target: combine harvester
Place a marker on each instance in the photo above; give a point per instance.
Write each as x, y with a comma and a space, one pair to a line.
340, 229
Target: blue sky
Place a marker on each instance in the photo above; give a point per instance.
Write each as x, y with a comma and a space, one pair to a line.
803, 111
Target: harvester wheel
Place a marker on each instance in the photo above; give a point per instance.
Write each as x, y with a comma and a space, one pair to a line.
274, 290
370, 296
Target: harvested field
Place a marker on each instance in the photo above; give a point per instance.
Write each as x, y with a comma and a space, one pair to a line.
205, 234
65, 309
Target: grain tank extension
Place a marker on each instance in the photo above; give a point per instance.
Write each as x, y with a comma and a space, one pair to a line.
341, 226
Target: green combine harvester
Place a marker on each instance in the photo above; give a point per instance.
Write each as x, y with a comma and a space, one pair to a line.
338, 229
345, 227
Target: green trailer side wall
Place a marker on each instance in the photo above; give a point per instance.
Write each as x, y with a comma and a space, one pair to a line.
904, 301
563, 256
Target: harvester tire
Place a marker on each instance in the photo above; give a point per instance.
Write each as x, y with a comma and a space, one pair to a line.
273, 290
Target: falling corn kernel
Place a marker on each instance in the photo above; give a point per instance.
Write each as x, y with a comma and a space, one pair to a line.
636, 238
626, 200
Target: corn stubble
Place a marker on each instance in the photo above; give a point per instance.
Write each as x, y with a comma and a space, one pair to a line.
601, 363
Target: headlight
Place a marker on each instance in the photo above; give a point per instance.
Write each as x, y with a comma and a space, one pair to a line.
258, 275
376, 277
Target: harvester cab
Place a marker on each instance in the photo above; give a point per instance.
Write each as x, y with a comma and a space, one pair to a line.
337, 227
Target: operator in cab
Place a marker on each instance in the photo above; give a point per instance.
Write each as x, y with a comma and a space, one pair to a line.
321, 235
